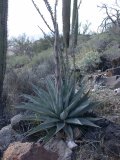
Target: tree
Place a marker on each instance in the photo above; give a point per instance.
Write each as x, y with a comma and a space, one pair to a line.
111, 23
3, 44
21, 45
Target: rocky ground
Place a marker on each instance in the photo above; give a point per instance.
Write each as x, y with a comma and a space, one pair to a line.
103, 144
97, 144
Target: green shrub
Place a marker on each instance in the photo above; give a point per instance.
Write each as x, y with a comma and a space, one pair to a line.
17, 61
89, 61
41, 57
58, 111
112, 52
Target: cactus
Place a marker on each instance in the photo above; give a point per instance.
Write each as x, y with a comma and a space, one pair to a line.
75, 23
3, 41
66, 21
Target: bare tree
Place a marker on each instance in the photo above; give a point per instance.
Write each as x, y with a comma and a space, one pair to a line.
111, 23
112, 17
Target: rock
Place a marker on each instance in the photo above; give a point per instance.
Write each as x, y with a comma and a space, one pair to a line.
20, 125
117, 91
16, 119
113, 71
71, 144
8, 135
28, 151
60, 147
17, 123
112, 82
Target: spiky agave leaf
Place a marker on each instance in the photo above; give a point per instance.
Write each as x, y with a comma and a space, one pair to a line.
59, 111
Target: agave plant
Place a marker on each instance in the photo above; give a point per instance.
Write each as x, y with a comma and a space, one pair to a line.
58, 110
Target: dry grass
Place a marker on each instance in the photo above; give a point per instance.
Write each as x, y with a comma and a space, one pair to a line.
110, 104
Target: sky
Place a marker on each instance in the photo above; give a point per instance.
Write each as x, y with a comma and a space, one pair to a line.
23, 17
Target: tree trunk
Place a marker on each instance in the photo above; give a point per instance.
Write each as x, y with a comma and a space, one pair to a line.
3, 44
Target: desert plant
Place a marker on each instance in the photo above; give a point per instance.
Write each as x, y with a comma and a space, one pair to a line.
59, 110
3, 42
66, 7
89, 62
75, 23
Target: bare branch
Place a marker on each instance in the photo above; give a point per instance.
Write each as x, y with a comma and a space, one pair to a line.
45, 36
42, 16
79, 4
106, 9
112, 18
117, 3
55, 11
49, 8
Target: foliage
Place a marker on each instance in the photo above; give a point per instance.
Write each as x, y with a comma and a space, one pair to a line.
22, 45
58, 111
111, 22
84, 29
17, 61
89, 62
41, 57
112, 51
43, 44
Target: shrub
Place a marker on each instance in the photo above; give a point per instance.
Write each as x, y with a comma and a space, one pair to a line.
58, 111
41, 57
112, 52
17, 61
89, 62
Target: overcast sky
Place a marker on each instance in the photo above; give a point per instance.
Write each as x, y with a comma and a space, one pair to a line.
23, 17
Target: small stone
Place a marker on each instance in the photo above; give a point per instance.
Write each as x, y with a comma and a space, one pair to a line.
71, 144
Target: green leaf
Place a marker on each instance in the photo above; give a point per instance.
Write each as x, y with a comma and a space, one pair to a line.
42, 94
52, 93
63, 115
87, 108
40, 127
78, 110
86, 122
60, 126
73, 121
59, 102
69, 131
37, 101
37, 109
67, 99
51, 120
